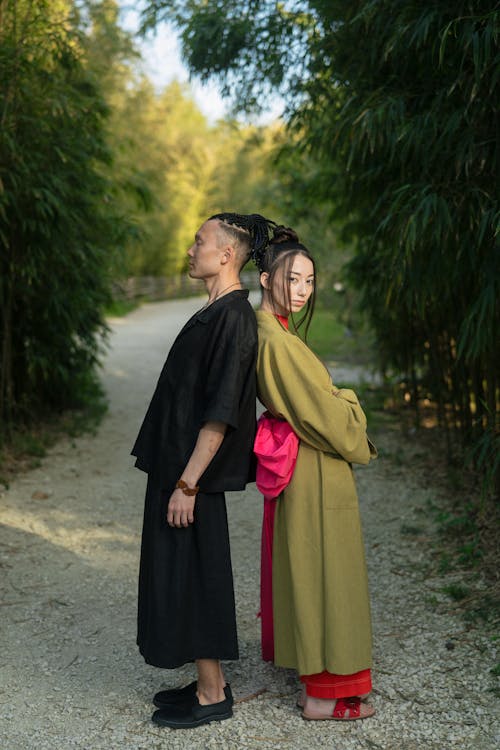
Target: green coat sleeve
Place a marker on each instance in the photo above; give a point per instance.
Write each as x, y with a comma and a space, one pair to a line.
294, 384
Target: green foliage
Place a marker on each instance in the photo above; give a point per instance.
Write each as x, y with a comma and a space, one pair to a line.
117, 308
396, 102
101, 177
166, 152
445, 563
28, 444
58, 230
456, 591
164, 163
484, 453
254, 46
243, 158
463, 530
416, 136
485, 609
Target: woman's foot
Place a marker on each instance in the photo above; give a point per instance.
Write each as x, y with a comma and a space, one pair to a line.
301, 700
341, 709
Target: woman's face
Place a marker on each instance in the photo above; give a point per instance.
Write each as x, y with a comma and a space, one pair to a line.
300, 282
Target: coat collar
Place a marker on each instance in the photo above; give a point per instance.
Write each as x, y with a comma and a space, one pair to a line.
268, 318
206, 314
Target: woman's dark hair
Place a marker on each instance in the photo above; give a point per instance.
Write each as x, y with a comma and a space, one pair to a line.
278, 257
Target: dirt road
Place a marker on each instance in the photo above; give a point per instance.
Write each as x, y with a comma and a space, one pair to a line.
71, 676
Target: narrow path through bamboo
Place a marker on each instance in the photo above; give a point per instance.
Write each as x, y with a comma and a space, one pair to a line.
71, 676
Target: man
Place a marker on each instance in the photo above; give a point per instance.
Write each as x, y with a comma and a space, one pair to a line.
195, 443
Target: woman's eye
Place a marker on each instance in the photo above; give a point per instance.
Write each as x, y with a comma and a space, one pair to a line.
292, 279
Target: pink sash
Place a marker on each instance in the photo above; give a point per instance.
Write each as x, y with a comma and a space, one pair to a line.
276, 447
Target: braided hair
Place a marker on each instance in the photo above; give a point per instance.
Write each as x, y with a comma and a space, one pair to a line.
251, 230
277, 260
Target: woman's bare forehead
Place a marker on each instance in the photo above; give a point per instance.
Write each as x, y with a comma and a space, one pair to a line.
302, 266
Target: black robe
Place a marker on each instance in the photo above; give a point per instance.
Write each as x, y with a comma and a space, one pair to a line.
186, 599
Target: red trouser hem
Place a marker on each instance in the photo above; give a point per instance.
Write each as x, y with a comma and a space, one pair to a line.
327, 685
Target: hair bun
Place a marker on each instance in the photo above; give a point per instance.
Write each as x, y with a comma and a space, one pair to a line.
283, 234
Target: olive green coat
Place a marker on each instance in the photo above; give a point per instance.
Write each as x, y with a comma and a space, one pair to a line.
320, 594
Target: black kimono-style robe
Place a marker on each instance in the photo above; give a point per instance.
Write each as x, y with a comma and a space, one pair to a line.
186, 600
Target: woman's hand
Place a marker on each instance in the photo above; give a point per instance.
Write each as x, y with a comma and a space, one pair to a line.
180, 509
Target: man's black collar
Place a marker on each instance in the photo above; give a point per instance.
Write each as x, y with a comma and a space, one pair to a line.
205, 315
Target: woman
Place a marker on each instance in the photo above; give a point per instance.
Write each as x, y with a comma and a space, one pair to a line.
320, 594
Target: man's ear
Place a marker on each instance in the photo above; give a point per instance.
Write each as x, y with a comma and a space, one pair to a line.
264, 279
228, 254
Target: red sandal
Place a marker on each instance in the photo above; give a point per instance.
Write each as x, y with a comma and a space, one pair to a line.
346, 709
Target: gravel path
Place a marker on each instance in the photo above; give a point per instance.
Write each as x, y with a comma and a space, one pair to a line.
71, 676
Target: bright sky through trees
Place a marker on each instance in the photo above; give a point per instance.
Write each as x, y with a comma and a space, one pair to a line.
162, 58
162, 62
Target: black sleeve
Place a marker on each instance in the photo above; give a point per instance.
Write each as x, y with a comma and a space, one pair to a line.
232, 356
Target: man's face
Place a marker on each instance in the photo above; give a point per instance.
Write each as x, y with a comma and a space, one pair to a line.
204, 254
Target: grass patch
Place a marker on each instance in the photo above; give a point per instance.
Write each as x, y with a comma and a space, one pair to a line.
445, 563
431, 601
325, 334
462, 545
373, 399
120, 307
456, 591
330, 339
496, 670
28, 444
335, 344
459, 528
495, 688
485, 608
408, 530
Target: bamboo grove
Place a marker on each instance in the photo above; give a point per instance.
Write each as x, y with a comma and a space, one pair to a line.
101, 177
391, 110
54, 235
398, 102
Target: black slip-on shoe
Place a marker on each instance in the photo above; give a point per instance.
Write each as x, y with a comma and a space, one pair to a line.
192, 714
166, 698
176, 696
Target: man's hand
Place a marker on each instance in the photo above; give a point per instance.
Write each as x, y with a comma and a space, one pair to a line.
180, 509
181, 506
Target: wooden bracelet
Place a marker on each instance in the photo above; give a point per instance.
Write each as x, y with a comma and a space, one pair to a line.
187, 490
